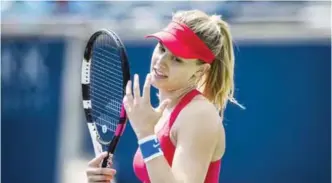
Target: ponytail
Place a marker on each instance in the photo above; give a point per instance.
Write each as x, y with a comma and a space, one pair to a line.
219, 81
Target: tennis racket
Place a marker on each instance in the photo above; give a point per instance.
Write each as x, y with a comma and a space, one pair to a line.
105, 73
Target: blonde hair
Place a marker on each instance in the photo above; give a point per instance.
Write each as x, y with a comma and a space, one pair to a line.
217, 85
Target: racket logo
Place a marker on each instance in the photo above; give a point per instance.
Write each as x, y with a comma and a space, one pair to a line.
104, 128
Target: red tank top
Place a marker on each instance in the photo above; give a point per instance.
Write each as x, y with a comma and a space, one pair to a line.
169, 149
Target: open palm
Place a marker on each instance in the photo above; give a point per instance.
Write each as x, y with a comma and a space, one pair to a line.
143, 117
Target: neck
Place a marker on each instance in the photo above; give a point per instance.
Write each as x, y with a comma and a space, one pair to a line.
174, 95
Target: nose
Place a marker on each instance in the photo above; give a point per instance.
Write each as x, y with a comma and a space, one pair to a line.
162, 59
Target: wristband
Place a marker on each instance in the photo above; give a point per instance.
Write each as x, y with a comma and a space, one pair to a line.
150, 147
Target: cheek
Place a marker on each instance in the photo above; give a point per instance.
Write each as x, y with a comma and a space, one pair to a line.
153, 61
154, 57
180, 75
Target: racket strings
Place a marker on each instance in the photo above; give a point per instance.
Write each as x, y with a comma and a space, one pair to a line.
104, 110
100, 81
108, 58
110, 53
102, 76
104, 96
105, 119
106, 84
111, 120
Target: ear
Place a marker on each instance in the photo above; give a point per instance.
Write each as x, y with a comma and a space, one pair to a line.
204, 68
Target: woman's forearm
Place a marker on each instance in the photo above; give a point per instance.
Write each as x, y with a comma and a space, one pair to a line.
159, 171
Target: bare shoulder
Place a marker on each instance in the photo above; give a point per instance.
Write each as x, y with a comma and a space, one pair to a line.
200, 122
199, 114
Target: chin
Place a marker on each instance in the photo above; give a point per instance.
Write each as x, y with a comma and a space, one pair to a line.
157, 84
160, 84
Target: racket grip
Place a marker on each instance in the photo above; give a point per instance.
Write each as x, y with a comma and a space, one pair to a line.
106, 161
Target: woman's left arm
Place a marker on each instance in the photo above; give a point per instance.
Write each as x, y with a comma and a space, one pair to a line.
196, 139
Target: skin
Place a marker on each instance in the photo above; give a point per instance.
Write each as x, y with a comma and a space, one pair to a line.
96, 174
197, 133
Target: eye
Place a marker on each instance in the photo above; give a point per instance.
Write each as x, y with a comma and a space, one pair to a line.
161, 48
177, 60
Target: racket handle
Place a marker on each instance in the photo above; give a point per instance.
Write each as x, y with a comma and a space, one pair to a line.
105, 163
111, 149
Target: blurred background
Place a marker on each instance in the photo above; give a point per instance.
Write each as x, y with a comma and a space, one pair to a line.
283, 67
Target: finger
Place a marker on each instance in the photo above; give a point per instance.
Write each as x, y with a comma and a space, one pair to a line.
128, 99
127, 104
100, 178
128, 88
107, 171
147, 89
100, 171
163, 105
97, 160
137, 92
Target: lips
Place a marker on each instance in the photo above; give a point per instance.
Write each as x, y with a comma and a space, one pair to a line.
159, 73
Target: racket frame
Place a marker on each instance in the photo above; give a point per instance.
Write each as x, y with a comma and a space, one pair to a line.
85, 82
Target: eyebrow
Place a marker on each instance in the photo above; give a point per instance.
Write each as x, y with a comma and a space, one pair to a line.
161, 44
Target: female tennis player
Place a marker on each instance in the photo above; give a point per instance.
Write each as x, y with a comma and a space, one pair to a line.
183, 140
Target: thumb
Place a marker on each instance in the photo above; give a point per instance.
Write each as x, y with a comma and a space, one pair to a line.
163, 105
97, 160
